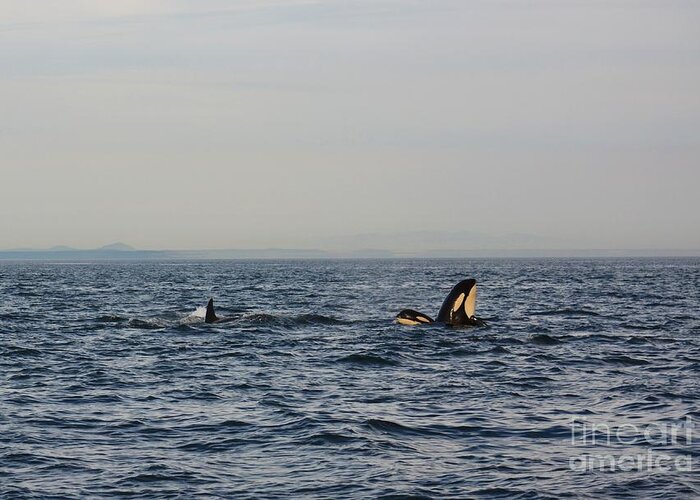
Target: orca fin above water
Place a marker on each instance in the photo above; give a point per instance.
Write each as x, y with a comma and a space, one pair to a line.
210, 316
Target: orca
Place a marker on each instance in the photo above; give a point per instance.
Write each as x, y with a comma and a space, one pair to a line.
411, 317
457, 309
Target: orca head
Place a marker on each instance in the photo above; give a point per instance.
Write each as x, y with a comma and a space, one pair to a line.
411, 317
210, 316
460, 305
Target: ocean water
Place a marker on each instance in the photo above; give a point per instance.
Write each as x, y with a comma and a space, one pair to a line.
111, 384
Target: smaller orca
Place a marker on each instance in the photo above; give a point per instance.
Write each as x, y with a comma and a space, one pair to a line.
411, 317
457, 309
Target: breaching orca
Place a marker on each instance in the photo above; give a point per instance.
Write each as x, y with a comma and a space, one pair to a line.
457, 309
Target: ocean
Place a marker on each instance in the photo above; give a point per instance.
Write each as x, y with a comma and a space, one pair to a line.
584, 383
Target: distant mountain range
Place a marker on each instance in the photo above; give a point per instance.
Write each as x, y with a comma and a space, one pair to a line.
63, 252
114, 247
430, 245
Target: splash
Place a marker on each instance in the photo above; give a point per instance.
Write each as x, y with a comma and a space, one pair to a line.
195, 316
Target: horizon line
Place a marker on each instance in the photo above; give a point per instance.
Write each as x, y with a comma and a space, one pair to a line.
130, 253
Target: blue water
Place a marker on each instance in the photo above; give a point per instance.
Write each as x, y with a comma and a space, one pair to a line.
111, 384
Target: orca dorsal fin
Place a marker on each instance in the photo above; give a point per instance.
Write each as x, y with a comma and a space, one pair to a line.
211, 316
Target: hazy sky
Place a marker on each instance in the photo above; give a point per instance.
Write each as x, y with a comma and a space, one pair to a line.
253, 123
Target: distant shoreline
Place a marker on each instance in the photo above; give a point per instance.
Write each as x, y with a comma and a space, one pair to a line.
300, 254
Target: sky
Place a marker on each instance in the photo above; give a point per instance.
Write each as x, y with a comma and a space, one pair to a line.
210, 124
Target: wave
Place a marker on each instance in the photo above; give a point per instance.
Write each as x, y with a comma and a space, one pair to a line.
533, 382
499, 350
368, 360
218, 445
15, 350
497, 339
625, 360
636, 325
329, 438
554, 431
390, 427
146, 324
23, 458
111, 318
284, 321
544, 339
642, 406
565, 312
226, 425
463, 353
595, 337
83, 399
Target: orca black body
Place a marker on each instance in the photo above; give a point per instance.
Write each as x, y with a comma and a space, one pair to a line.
457, 309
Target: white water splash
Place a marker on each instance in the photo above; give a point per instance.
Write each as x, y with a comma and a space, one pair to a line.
195, 316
